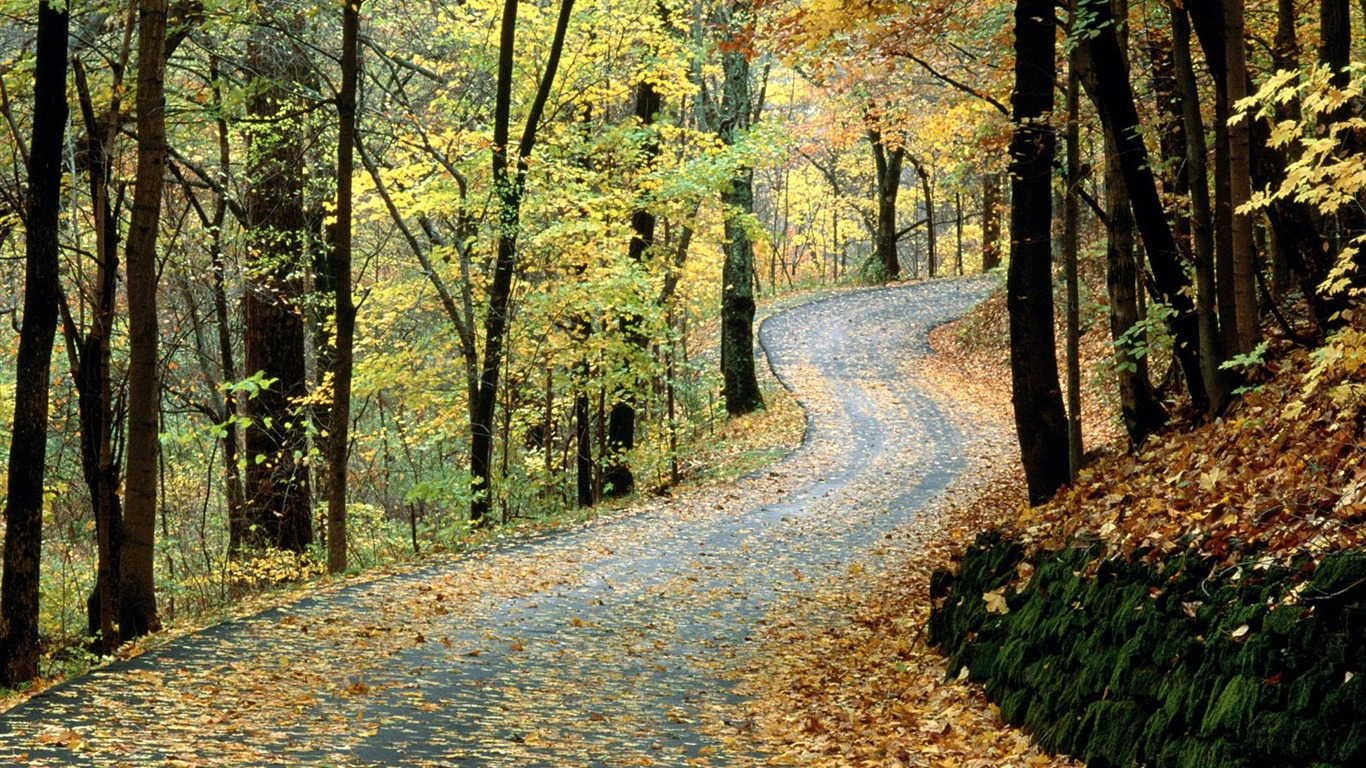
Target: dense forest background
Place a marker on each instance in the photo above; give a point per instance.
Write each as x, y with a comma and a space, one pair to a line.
302, 287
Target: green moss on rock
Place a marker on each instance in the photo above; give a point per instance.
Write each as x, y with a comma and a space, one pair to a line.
1171, 666
1233, 709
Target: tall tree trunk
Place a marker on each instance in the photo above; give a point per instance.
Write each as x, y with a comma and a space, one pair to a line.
618, 480
19, 583
91, 374
931, 228
1115, 103
1140, 408
137, 595
887, 162
1285, 56
228, 410
1039, 418
1202, 218
344, 305
509, 180
958, 233
741, 384
1243, 259
1295, 224
583, 443
1071, 217
278, 498
1335, 32
1335, 38
1208, 20
991, 221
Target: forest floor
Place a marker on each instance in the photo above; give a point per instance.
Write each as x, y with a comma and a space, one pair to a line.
659, 637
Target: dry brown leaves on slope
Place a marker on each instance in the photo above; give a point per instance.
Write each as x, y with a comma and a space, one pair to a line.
1281, 474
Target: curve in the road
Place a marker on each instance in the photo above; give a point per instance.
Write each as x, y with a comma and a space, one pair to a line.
615, 644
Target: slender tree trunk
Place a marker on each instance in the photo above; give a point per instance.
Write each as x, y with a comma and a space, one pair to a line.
137, 595
1071, 216
583, 443
621, 429
1039, 418
1243, 261
741, 384
1115, 103
931, 225
991, 221
1335, 37
91, 372
509, 180
232, 474
1295, 224
1209, 21
1335, 52
958, 233
19, 583
1140, 407
1202, 219
344, 305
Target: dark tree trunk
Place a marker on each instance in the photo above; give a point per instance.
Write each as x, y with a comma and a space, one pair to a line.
1285, 56
1039, 418
583, 445
1335, 38
344, 305
1294, 223
509, 179
1071, 221
228, 411
931, 227
1208, 22
618, 480
958, 233
887, 162
1245, 320
1115, 103
741, 384
19, 584
91, 374
1171, 130
1286, 53
278, 499
1202, 218
991, 221
137, 594
1335, 50
1140, 408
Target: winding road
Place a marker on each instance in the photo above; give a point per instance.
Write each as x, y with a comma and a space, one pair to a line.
613, 644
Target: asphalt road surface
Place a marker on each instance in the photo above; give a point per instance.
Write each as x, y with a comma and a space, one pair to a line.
614, 644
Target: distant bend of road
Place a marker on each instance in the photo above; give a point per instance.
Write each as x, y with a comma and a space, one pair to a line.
614, 644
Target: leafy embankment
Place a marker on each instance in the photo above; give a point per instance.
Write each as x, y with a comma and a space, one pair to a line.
1209, 522
1196, 602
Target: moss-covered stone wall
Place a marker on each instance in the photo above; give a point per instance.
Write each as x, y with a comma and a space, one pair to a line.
1177, 665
